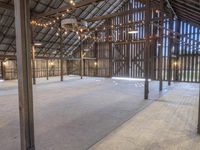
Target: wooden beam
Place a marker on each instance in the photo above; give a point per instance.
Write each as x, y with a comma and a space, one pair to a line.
160, 55
13, 57
63, 9
23, 44
96, 55
33, 64
123, 13
81, 60
6, 6
110, 54
170, 48
177, 48
33, 56
185, 6
147, 49
61, 55
47, 65
198, 128
2, 70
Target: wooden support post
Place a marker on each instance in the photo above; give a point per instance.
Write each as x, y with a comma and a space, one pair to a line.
84, 64
2, 70
33, 64
96, 55
66, 68
170, 47
160, 56
110, 57
23, 46
33, 56
176, 50
81, 60
147, 49
153, 55
47, 65
198, 128
61, 55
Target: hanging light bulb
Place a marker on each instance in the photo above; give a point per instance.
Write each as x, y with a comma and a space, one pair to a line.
133, 31
5, 63
157, 11
57, 34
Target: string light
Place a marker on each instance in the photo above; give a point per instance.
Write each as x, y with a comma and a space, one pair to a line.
72, 2
5, 63
79, 32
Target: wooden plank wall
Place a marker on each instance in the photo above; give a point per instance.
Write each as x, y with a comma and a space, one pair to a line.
188, 55
10, 68
114, 52
122, 54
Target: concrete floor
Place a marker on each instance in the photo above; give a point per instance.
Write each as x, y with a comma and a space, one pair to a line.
74, 114
170, 123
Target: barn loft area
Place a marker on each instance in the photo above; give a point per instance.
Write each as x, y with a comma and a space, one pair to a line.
99, 74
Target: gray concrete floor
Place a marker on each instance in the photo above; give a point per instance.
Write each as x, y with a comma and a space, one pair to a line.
74, 114
169, 123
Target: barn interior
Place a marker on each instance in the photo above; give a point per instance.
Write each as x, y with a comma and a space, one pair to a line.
99, 74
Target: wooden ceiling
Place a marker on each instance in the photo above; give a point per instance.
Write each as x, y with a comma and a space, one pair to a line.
47, 9
188, 10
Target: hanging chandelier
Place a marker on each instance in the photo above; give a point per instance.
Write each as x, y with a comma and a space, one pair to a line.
72, 24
